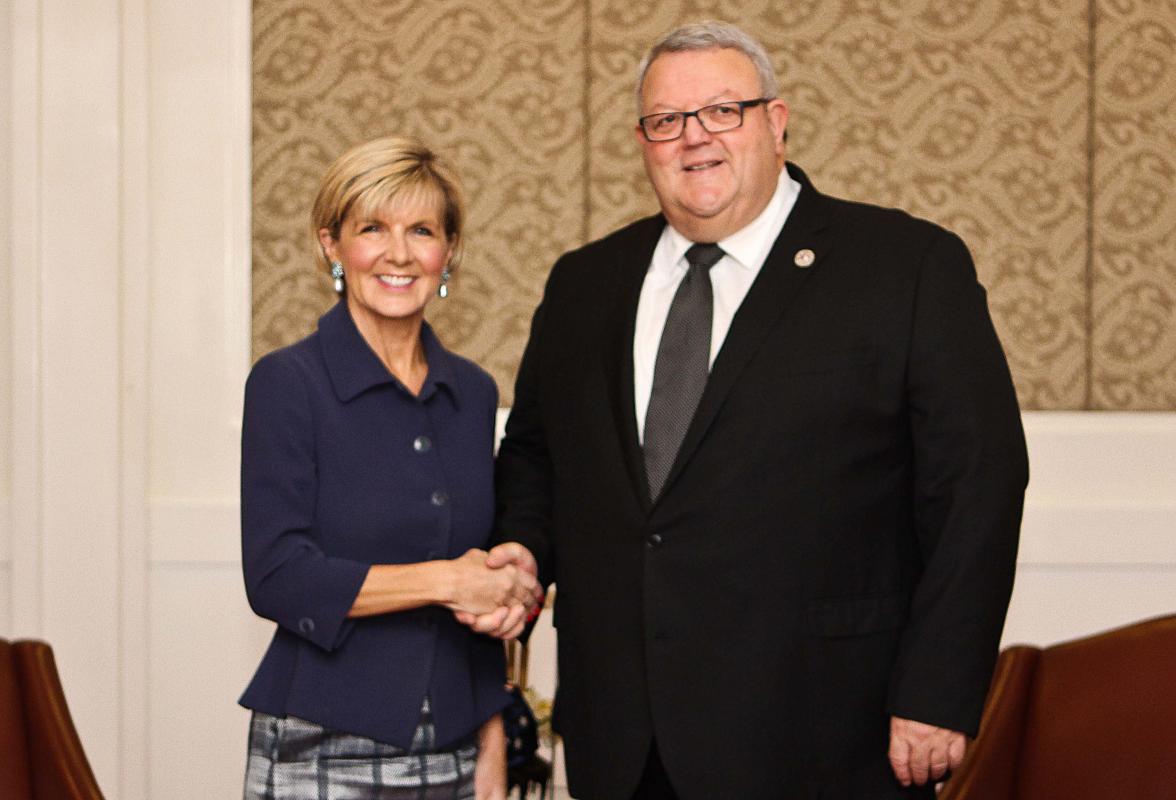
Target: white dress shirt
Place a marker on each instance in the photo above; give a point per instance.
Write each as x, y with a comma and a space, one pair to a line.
744, 253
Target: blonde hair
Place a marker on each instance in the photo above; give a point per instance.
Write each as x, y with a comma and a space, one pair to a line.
385, 171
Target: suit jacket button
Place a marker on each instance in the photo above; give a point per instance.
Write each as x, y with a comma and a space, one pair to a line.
306, 626
653, 541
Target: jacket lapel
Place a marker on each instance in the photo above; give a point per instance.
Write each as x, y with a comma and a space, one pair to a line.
633, 263
780, 278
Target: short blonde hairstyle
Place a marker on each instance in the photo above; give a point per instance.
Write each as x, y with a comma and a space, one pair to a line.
383, 172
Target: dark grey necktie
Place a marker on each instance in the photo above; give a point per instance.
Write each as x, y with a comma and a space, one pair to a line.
683, 363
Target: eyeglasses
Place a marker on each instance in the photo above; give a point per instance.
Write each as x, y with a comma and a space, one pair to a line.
669, 125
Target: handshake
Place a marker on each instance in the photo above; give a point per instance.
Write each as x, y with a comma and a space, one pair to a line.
496, 592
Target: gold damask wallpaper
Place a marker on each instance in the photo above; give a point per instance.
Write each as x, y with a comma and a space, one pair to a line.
1043, 131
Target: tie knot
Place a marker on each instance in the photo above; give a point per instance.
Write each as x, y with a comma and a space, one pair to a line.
704, 255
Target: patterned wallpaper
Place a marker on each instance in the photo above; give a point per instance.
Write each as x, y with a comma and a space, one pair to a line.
1043, 131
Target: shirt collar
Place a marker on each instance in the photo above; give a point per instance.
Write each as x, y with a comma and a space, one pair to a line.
354, 367
745, 246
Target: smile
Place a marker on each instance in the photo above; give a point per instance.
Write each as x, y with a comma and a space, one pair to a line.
396, 281
703, 166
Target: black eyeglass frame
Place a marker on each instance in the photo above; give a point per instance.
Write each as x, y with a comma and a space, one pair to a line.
742, 104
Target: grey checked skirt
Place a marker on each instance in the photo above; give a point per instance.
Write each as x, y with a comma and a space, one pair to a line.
292, 759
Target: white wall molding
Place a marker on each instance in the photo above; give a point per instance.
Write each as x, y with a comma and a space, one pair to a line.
6, 114
203, 641
1102, 489
195, 531
1099, 532
125, 139
25, 318
135, 280
1098, 542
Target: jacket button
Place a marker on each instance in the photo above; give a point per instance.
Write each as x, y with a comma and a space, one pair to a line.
306, 626
653, 541
439, 498
422, 444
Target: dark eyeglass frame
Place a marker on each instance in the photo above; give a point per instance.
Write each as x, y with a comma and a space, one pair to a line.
741, 104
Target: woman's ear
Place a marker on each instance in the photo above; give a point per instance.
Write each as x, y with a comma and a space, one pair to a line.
327, 241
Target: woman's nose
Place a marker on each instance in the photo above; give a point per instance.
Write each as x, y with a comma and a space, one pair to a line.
397, 251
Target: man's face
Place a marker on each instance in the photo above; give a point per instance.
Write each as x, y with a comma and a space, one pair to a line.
710, 185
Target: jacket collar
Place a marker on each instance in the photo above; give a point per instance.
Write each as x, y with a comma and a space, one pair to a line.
354, 367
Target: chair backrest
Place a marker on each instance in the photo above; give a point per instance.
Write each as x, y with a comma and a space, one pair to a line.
37, 731
1090, 719
1101, 721
14, 753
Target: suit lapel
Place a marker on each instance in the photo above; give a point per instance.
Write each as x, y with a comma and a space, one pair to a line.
633, 263
780, 278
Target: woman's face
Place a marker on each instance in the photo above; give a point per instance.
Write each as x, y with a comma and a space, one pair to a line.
392, 259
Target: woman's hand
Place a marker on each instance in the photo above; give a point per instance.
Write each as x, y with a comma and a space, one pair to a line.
481, 588
507, 622
490, 771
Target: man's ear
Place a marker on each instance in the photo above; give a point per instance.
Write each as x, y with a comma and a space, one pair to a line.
777, 112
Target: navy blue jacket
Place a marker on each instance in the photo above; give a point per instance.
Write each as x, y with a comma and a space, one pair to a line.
343, 468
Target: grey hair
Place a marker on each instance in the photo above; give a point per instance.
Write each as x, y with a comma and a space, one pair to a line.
707, 35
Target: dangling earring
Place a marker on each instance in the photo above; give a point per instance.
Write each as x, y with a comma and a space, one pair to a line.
443, 289
337, 274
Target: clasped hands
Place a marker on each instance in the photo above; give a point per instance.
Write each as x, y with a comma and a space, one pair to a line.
497, 591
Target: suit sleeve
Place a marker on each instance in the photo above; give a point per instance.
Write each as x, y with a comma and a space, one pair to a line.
970, 473
288, 578
523, 477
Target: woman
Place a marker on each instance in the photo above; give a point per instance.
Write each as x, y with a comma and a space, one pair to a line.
366, 493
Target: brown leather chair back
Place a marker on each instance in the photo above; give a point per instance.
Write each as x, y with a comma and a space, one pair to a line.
1091, 719
55, 766
14, 752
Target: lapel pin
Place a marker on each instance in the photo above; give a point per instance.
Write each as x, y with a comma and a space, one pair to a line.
804, 258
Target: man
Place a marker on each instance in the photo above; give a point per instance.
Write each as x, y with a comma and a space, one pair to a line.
778, 483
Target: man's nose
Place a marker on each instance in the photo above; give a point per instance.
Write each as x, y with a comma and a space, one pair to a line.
695, 134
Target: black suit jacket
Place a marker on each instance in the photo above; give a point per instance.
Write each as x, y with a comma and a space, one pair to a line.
836, 540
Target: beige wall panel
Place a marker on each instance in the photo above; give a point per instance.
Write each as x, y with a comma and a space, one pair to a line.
497, 87
973, 115
1134, 276
976, 115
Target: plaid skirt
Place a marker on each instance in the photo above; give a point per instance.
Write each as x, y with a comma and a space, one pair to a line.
293, 759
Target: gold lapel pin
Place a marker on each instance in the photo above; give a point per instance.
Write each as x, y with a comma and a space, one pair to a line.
804, 258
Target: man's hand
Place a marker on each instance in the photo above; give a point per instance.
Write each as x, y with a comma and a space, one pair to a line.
478, 586
507, 621
919, 751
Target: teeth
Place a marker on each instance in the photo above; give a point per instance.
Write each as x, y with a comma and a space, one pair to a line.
396, 280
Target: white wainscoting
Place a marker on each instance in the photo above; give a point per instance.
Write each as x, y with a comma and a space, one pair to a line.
5, 604
126, 222
205, 646
1098, 542
6, 81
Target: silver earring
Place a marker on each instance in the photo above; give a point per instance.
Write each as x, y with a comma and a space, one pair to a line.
443, 289
337, 274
